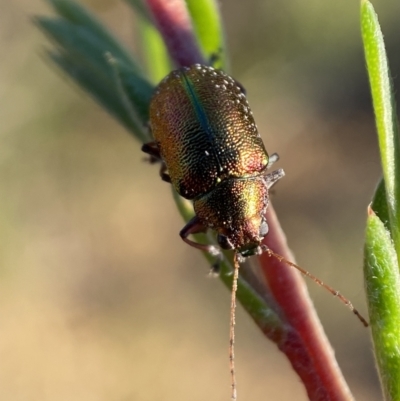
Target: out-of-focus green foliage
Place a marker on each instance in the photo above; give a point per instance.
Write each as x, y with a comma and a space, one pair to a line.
96, 61
208, 26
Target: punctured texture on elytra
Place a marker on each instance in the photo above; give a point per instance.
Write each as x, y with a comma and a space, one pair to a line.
205, 130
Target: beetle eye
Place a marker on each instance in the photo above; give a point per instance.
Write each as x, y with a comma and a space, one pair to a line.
224, 242
263, 229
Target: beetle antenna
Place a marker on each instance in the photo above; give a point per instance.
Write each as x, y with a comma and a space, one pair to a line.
320, 283
232, 325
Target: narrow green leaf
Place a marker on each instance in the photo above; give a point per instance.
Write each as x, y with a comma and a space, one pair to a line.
385, 114
79, 43
80, 16
379, 204
153, 49
135, 93
84, 59
155, 54
382, 282
103, 94
209, 30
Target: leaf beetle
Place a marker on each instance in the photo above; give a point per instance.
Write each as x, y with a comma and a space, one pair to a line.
207, 140
211, 152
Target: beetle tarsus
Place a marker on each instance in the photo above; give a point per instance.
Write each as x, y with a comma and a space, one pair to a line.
152, 149
194, 226
164, 176
216, 268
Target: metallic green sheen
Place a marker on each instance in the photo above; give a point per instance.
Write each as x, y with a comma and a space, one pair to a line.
205, 130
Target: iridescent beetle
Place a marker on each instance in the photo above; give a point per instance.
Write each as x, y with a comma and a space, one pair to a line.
208, 142
206, 136
211, 152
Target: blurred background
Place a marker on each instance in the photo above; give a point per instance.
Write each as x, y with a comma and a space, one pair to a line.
99, 297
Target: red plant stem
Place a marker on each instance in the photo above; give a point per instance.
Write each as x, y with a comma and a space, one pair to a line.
305, 343
173, 20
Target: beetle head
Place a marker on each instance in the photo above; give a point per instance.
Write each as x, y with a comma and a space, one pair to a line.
235, 209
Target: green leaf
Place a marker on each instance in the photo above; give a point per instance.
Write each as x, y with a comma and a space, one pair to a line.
80, 43
155, 54
103, 94
379, 204
154, 51
135, 93
385, 114
382, 246
208, 26
382, 282
80, 16
118, 86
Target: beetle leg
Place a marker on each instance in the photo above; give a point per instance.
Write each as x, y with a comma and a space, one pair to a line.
152, 149
215, 57
272, 159
273, 177
194, 226
164, 176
